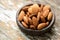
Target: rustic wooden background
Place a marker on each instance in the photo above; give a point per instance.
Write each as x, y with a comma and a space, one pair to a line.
9, 29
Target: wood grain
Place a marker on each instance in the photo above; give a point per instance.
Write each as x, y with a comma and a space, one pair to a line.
9, 29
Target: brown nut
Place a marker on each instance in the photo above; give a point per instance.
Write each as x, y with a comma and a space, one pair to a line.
32, 15
35, 21
38, 16
32, 26
50, 15
24, 24
25, 8
30, 10
30, 20
43, 19
42, 25
34, 8
41, 8
47, 23
46, 7
46, 12
21, 15
38, 13
28, 14
25, 19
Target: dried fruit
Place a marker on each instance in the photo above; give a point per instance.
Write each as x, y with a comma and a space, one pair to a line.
35, 21
25, 19
50, 15
46, 12
24, 24
42, 25
21, 15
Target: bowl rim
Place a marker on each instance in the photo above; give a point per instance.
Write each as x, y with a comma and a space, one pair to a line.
51, 23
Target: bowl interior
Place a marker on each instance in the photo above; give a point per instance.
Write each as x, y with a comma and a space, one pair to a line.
50, 24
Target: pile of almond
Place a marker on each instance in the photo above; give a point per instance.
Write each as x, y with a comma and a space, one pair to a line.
35, 16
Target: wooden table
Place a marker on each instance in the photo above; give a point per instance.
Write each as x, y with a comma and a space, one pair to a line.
9, 29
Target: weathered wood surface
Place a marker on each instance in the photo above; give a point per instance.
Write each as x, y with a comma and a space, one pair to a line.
9, 29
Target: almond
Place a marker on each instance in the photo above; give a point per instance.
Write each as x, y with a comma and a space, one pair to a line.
46, 7
24, 24
34, 8
32, 15
35, 21
50, 15
25, 8
43, 19
40, 26
47, 23
41, 8
38, 16
30, 10
30, 20
28, 14
46, 12
35, 16
21, 15
32, 26
25, 19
